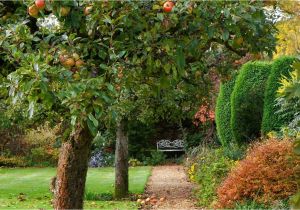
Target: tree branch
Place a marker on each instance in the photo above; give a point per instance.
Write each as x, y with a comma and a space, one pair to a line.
241, 52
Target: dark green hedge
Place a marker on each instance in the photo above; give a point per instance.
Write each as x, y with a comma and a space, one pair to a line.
271, 120
247, 101
223, 110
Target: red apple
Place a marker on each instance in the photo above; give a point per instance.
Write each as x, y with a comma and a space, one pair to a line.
40, 4
168, 6
33, 11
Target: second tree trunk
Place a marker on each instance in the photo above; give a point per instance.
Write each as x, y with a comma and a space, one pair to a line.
121, 162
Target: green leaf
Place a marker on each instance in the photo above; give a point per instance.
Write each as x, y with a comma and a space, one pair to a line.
73, 120
164, 82
174, 71
226, 12
210, 31
93, 119
121, 54
92, 127
160, 16
180, 59
225, 35
107, 19
98, 112
156, 7
103, 66
31, 109
167, 68
36, 39
102, 54
193, 46
48, 99
106, 98
97, 102
110, 87
149, 63
157, 63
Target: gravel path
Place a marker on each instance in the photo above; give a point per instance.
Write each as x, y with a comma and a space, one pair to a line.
171, 183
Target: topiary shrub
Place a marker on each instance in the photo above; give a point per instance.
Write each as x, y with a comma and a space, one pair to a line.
272, 120
247, 100
223, 110
268, 173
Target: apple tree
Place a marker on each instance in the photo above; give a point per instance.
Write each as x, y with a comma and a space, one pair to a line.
104, 63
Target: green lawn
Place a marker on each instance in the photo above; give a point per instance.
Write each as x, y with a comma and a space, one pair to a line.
34, 184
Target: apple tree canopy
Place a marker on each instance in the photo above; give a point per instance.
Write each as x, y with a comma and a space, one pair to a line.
98, 61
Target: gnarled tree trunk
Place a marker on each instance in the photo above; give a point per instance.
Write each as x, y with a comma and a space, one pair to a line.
121, 162
72, 170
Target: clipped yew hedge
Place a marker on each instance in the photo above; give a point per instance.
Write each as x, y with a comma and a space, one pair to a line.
271, 119
247, 100
223, 110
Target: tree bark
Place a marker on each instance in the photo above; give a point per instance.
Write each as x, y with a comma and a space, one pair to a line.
121, 162
72, 170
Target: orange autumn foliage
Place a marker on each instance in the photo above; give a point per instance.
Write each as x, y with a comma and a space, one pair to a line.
203, 115
267, 173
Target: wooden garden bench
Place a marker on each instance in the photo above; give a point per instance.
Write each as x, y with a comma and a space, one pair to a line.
170, 146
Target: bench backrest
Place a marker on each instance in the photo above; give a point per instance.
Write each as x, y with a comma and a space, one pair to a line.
167, 145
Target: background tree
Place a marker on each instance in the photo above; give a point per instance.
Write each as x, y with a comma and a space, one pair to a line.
288, 37
288, 26
107, 62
